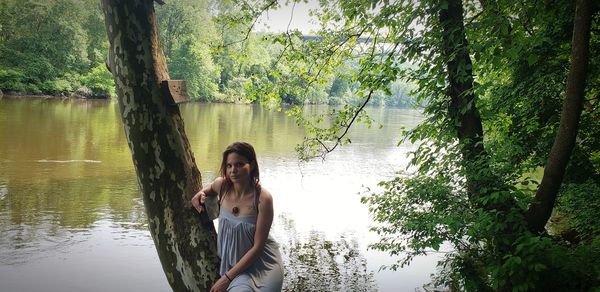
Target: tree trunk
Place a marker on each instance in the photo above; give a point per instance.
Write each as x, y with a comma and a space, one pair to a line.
540, 210
164, 162
462, 110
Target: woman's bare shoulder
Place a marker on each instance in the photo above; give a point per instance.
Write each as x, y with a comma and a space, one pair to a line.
216, 184
266, 196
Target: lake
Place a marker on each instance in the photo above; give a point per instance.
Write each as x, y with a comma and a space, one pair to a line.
72, 217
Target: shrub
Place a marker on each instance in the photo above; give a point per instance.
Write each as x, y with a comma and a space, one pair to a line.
12, 80
99, 80
56, 86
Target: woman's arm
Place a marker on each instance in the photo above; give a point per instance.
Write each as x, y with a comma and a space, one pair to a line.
210, 190
263, 226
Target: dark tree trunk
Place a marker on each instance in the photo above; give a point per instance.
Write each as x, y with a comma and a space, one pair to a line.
462, 110
161, 153
540, 210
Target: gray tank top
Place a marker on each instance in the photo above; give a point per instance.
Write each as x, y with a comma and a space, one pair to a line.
235, 238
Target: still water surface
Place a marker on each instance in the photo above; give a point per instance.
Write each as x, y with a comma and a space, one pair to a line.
72, 218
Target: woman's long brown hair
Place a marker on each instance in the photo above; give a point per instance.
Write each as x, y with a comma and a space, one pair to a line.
247, 151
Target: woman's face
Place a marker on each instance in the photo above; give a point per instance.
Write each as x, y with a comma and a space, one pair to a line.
238, 167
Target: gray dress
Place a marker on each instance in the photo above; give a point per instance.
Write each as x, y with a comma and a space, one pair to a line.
235, 238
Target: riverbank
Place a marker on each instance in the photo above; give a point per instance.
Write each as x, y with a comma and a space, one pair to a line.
26, 95
238, 101
81, 93
33, 96
74, 96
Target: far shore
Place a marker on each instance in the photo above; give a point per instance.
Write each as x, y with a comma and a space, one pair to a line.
26, 95
75, 97
20, 95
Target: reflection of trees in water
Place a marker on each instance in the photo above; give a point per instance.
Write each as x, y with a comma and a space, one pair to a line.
46, 216
313, 263
77, 203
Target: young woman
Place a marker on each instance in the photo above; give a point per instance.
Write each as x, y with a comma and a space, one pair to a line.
250, 258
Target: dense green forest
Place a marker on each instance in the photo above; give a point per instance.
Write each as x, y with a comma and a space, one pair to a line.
52, 47
58, 47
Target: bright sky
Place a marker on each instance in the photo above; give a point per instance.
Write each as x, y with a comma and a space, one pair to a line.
277, 20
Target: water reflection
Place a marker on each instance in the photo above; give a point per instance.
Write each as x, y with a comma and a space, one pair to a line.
71, 203
315, 263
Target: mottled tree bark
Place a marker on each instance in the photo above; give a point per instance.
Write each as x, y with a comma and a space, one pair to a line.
164, 163
540, 210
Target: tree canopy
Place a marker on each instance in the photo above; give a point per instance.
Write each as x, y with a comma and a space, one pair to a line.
53, 47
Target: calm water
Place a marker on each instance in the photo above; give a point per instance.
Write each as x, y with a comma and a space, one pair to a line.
72, 218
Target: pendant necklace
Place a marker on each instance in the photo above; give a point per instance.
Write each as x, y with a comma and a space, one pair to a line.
235, 210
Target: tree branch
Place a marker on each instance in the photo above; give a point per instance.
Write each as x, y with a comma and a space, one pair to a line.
338, 139
256, 15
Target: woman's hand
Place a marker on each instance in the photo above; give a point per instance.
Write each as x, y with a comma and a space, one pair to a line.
198, 200
221, 285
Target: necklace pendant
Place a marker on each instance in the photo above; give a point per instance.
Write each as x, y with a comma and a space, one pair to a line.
235, 211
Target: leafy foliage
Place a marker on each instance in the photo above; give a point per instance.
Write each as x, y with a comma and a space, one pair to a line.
99, 80
46, 45
186, 45
465, 196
